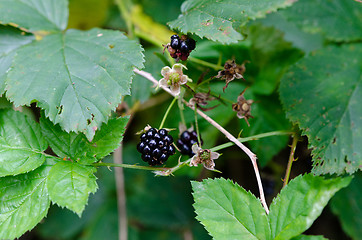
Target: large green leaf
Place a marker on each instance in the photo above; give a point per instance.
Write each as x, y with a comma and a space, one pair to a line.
21, 143
297, 206
77, 77
229, 212
322, 93
35, 15
219, 20
77, 147
347, 204
10, 40
24, 201
338, 20
69, 185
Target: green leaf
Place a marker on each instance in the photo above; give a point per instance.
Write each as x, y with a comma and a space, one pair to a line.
35, 15
10, 40
21, 143
24, 201
309, 237
229, 212
77, 147
78, 77
4, 103
271, 55
322, 93
297, 206
219, 20
69, 185
338, 20
347, 205
269, 117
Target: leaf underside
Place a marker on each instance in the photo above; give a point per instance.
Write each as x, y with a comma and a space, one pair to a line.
220, 20
322, 93
77, 77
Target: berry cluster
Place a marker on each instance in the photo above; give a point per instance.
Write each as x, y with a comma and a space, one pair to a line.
156, 146
180, 47
185, 142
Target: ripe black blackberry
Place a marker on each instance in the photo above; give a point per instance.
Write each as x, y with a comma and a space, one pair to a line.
155, 146
185, 142
180, 47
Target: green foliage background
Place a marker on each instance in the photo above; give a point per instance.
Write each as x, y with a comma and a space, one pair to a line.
67, 71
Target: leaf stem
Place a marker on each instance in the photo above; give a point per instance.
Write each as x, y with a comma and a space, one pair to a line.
167, 112
291, 159
206, 64
250, 154
100, 164
197, 128
124, 7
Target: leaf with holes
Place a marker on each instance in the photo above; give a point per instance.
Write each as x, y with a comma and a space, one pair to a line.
21, 143
322, 93
338, 20
35, 15
24, 201
227, 210
297, 206
10, 40
219, 20
77, 77
77, 147
69, 185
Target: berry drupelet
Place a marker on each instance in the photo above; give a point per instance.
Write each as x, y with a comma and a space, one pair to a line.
155, 146
185, 142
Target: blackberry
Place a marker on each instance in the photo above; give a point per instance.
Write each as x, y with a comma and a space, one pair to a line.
180, 47
185, 142
155, 146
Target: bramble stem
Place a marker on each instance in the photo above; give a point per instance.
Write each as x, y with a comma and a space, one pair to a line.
206, 64
100, 164
250, 154
167, 112
197, 129
291, 159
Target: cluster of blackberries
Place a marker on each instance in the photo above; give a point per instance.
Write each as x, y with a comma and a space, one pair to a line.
185, 142
180, 47
156, 146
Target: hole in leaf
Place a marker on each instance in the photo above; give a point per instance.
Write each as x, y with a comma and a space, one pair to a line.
60, 109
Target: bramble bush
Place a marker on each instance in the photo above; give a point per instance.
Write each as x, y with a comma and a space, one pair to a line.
82, 79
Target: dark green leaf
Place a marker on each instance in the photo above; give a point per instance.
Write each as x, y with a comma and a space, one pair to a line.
229, 212
77, 147
322, 93
24, 201
78, 77
347, 205
36, 15
268, 117
271, 55
21, 143
297, 206
219, 20
10, 40
69, 185
338, 20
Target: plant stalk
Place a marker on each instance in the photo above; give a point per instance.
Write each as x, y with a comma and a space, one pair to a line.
250, 154
167, 112
291, 159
